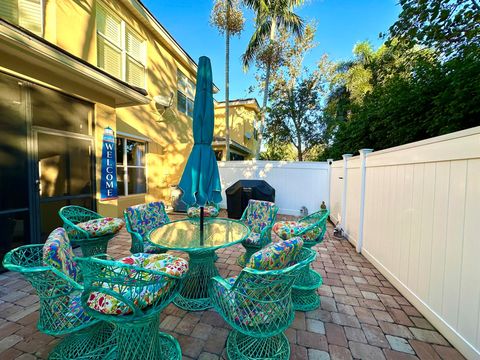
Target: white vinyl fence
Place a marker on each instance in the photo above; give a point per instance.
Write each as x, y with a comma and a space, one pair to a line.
296, 184
415, 214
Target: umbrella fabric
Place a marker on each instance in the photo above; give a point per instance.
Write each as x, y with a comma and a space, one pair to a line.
200, 181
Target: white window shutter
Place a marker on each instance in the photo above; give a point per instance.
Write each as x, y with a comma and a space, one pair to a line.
109, 58
9, 10
31, 15
135, 73
109, 26
135, 47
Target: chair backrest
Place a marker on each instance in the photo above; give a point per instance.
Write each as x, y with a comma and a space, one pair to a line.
58, 253
259, 214
260, 299
316, 224
136, 286
72, 215
144, 217
59, 293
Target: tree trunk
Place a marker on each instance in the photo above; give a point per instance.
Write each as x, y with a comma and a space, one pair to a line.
227, 83
265, 91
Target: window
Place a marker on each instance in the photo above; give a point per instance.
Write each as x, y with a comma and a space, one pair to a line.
185, 94
120, 51
131, 169
25, 13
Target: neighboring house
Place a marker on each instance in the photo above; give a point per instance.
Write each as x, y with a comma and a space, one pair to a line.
68, 70
244, 114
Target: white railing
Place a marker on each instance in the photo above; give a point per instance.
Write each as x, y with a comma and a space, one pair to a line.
417, 209
296, 184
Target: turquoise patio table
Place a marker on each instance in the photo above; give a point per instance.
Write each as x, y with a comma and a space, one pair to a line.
184, 235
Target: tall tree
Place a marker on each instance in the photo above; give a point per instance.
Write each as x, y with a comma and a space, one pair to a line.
295, 118
270, 17
228, 18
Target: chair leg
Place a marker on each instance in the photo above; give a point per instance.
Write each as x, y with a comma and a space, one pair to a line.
304, 290
141, 340
96, 342
244, 259
245, 347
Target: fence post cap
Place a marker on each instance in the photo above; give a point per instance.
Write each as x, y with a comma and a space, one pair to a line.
345, 156
365, 151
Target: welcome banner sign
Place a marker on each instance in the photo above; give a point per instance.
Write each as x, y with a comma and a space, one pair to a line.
108, 182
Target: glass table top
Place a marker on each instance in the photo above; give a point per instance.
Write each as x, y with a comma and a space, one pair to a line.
185, 234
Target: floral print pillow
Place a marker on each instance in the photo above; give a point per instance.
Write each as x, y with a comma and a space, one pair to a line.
277, 255
260, 214
58, 253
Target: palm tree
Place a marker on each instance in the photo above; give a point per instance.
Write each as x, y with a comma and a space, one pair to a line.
228, 18
271, 16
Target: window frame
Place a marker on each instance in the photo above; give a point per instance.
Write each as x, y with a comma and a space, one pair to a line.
184, 91
124, 164
124, 55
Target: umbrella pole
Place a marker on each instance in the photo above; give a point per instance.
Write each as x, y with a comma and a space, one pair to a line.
201, 225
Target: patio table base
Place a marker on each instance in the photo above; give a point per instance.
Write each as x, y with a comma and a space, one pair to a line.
194, 294
245, 347
96, 342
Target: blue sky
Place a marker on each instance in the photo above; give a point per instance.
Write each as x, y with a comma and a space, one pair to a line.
341, 24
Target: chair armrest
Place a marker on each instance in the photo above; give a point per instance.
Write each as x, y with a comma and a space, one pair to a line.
266, 233
222, 282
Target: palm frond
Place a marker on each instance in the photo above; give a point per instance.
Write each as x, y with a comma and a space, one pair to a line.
256, 41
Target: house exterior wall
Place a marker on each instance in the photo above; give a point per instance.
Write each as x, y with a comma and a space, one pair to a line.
71, 25
242, 120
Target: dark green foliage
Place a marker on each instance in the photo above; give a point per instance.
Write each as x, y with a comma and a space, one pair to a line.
424, 82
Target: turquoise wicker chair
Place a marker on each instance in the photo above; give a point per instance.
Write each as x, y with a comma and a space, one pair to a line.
130, 293
259, 216
53, 274
257, 304
311, 229
89, 229
140, 219
210, 210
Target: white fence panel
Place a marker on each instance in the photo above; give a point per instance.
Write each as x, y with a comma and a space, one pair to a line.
421, 216
296, 184
336, 189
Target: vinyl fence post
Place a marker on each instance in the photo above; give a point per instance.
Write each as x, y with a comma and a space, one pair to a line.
363, 168
344, 193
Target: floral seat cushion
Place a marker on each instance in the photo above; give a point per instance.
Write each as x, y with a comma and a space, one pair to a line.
253, 239
102, 226
208, 211
287, 229
142, 296
145, 217
58, 253
277, 255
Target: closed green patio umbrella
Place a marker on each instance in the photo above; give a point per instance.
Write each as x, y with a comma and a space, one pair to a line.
200, 181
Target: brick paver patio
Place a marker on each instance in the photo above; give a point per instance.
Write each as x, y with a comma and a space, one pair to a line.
361, 317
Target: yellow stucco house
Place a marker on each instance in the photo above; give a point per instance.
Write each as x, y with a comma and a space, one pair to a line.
68, 70
244, 114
